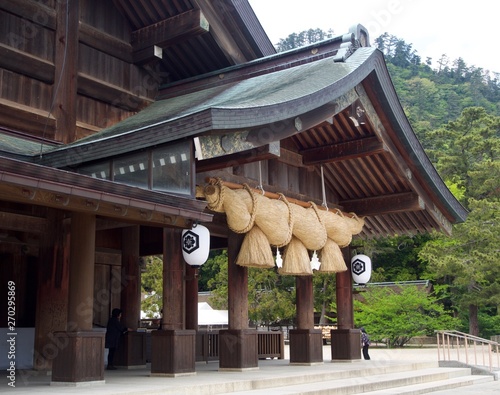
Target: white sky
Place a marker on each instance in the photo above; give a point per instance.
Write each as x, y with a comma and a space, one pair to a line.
433, 27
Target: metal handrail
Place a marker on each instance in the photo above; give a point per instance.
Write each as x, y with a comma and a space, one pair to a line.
470, 349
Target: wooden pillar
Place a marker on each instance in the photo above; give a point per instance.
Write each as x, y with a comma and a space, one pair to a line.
306, 343
52, 290
345, 340
173, 280
66, 69
131, 353
81, 272
238, 344
173, 347
131, 278
81, 358
191, 297
305, 302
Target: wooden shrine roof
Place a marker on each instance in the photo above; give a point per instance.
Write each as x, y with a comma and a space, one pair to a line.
373, 163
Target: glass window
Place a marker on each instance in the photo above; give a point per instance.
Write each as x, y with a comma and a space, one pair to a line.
98, 170
172, 168
132, 169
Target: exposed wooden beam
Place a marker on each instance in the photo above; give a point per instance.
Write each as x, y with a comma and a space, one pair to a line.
104, 42
35, 12
268, 151
22, 223
226, 38
20, 117
27, 64
343, 151
290, 158
387, 204
108, 93
180, 27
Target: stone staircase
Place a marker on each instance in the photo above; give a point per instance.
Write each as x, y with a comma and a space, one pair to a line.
408, 379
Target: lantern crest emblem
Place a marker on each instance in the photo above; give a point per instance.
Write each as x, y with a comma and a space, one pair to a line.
190, 242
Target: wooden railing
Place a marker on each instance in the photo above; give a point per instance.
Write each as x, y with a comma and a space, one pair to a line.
269, 345
207, 346
471, 350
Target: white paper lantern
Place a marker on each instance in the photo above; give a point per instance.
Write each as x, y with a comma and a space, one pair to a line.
361, 268
195, 245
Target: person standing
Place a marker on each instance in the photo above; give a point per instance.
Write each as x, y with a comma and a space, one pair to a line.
114, 330
365, 343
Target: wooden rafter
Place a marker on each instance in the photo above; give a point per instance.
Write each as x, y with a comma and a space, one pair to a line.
167, 32
268, 151
382, 205
343, 151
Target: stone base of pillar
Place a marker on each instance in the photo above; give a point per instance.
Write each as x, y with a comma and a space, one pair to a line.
131, 353
80, 358
238, 350
173, 352
346, 344
306, 346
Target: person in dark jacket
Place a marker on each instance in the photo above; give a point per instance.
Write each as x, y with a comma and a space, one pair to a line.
365, 343
114, 330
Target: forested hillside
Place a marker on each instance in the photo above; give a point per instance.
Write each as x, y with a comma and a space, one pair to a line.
432, 97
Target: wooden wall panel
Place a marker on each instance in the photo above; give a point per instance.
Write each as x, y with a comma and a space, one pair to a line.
26, 36
94, 115
24, 90
104, 16
114, 71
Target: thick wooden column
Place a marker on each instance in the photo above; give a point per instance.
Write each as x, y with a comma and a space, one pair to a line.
81, 272
238, 344
52, 290
191, 298
346, 341
81, 358
131, 277
131, 352
173, 347
66, 69
306, 343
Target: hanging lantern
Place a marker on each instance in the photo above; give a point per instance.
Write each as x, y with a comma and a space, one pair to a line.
361, 268
195, 245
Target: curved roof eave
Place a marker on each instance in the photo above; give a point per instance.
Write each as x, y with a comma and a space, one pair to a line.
394, 112
282, 95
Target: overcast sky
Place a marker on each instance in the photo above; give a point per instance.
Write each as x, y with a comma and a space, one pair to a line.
433, 27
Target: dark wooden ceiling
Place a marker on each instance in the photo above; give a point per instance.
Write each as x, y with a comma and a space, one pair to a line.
196, 36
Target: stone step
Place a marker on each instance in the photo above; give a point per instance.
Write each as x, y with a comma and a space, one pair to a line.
452, 384
385, 383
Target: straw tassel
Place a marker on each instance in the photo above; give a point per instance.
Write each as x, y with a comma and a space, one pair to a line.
255, 250
296, 261
332, 260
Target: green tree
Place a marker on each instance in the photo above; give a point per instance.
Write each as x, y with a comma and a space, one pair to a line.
396, 316
324, 296
152, 287
306, 37
270, 296
467, 151
468, 261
